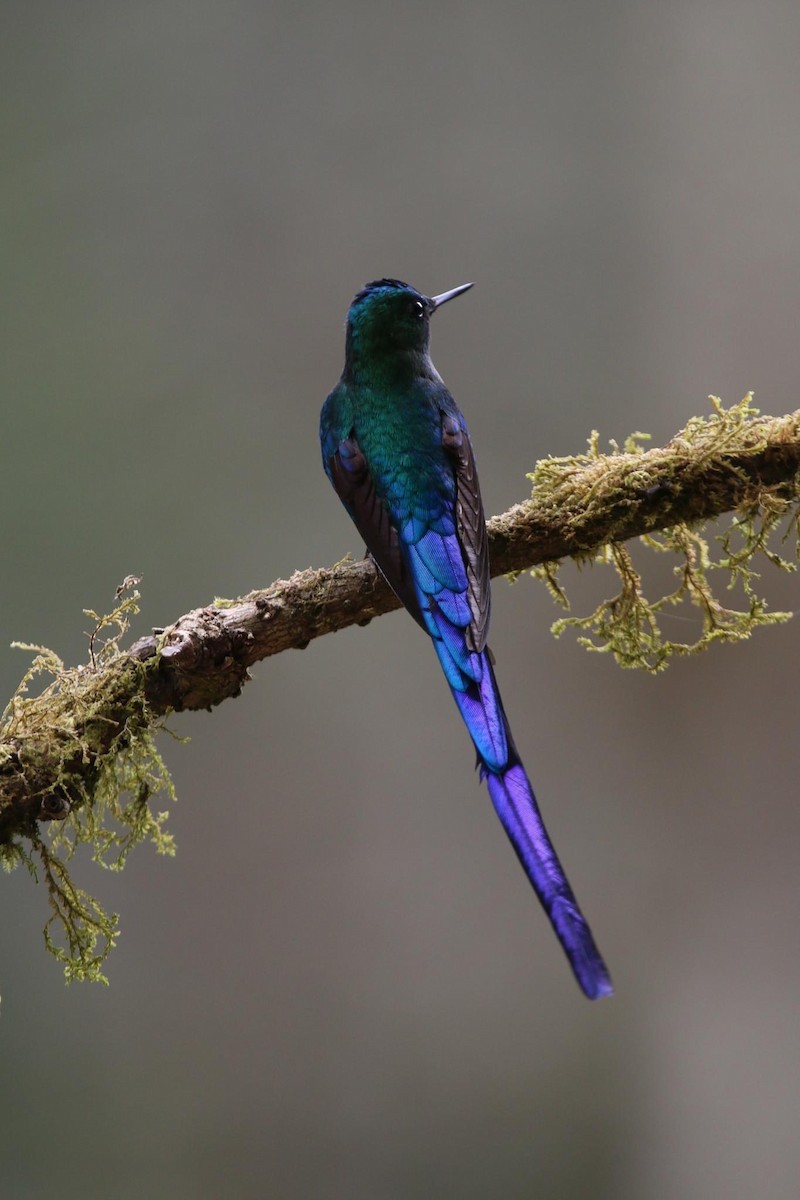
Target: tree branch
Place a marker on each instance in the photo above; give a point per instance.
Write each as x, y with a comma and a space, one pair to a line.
53, 747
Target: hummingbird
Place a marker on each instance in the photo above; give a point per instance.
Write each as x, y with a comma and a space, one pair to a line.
395, 447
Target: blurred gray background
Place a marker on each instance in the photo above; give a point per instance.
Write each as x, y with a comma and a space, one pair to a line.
343, 986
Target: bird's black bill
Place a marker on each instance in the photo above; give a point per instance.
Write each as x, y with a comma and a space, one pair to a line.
437, 301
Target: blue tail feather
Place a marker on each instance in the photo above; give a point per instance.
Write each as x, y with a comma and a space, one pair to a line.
515, 804
516, 807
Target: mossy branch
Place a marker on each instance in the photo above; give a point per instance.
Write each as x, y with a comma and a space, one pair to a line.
70, 753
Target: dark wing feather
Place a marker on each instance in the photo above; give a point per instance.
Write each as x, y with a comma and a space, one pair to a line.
355, 487
471, 527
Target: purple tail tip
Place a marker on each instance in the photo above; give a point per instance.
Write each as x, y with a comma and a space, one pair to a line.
576, 937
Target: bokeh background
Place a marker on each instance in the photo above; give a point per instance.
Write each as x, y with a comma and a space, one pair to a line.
342, 986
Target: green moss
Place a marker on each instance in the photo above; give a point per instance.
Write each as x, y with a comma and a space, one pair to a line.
93, 722
629, 625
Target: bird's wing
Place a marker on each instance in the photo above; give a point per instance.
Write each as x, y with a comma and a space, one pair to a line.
434, 555
471, 527
443, 540
355, 487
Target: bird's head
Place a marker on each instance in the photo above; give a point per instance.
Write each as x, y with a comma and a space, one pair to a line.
389, 317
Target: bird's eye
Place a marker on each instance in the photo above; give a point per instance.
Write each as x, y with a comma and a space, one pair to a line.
417, 309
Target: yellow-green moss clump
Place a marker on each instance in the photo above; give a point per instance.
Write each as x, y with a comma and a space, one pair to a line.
92, 720
629, 625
